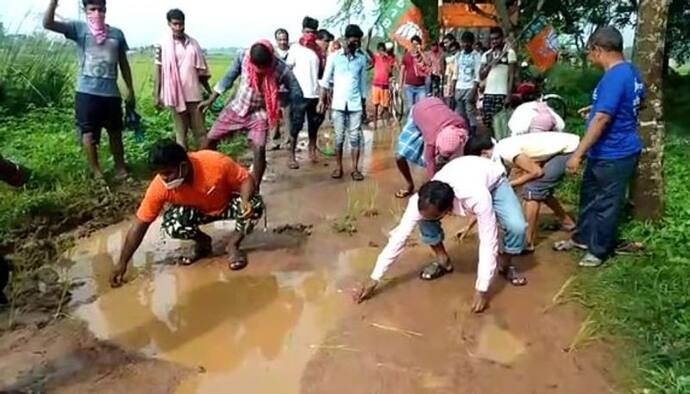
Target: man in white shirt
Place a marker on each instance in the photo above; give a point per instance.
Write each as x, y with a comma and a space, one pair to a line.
468, 185
468, 63
498, 69
307, 61
541, 160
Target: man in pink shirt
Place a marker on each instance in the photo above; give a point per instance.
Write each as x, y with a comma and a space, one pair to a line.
181, 71
468, 185
433, 135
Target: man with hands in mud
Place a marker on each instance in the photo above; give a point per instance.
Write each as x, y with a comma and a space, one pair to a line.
468, 185
198, 188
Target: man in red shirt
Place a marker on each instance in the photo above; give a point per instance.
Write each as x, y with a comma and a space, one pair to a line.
433, 136
199, 188
438, 66
413, 73
384, 63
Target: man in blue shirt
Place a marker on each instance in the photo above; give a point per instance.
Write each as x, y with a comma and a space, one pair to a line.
612, 146
346, 74
101, 49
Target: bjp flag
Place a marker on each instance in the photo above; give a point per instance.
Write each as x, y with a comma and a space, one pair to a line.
402, 20
542, 44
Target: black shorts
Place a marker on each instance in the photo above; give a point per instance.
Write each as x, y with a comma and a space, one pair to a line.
95, 113
305, 109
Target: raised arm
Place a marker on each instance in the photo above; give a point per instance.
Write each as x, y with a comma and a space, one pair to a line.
49, 21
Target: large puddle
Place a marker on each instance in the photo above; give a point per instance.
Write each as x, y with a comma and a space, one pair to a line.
254, 330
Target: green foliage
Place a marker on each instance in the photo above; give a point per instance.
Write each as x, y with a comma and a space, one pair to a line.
34, 72
575, 87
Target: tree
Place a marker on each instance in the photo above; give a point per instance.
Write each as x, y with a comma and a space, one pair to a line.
2, 31
650, 42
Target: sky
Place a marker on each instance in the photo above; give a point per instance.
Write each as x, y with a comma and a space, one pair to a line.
214, 23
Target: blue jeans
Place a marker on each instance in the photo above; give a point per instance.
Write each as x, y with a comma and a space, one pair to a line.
348, 123
510, 217
413, 94
508, 214
602, 193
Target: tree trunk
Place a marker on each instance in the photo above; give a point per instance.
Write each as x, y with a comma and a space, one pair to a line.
648, 187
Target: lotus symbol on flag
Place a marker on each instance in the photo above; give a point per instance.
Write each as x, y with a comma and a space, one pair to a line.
409, 30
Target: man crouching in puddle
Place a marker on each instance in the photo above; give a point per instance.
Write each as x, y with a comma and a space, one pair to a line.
199, 188
467, 185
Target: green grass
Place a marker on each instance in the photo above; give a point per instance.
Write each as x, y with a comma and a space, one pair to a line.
644, 300
41, 136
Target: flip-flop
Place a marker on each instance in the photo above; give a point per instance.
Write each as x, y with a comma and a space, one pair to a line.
357, 176
512, 275
567, 245
403, 193
435, 270
337, 174
238, 260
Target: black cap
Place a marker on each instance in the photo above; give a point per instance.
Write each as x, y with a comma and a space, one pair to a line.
310, 23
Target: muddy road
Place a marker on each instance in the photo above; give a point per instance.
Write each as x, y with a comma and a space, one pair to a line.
287, 324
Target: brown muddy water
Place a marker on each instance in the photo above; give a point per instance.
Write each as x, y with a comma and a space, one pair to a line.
287, 324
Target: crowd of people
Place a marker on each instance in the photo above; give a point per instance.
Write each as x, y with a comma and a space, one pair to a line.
500, 184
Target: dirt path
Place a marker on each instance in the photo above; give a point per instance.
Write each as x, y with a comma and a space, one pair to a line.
286, 324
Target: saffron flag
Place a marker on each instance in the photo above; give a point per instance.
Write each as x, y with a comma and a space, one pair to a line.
542, 44
402, 20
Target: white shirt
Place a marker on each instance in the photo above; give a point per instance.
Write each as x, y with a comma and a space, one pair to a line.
472, 178
537, 146
521, 119
497, 80
305, 65
468, 66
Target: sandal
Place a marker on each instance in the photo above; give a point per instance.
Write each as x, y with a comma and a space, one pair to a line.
404, 193
238, 260
590, 261
337, 174
357, 176
293, 165
196, 256
512, 275
568, 245
435, 270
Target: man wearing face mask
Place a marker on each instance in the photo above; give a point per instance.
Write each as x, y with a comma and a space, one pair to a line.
101, 48
307, 61
198, 188
255, 105
346, 75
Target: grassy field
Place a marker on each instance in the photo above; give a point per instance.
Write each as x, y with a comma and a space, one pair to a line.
143, 68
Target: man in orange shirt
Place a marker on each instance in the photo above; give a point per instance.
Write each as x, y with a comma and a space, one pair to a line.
199, 187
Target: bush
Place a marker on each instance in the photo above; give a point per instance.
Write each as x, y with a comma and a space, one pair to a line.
34, 72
